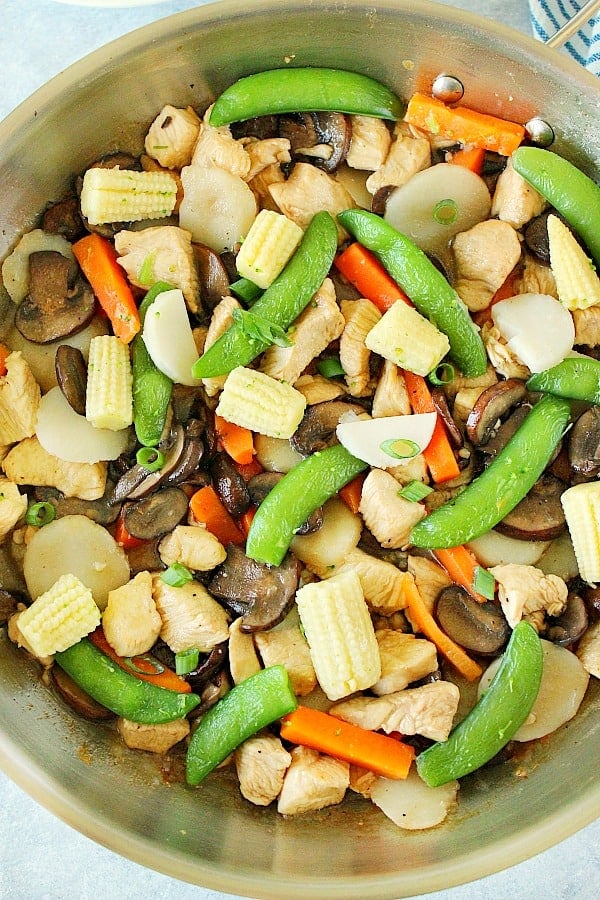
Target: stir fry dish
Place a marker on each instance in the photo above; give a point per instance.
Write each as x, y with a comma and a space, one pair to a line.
299, 430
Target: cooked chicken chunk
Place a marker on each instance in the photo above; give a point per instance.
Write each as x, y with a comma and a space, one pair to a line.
190, 616
217, 147
459, 382
154, 738
391, 395
428, 710
484, 257
500, 355
382, 582
535, 278
172, 136
587, 326
388, 516
360, 317
527, 593
429, 577
29, 463
19, 400
404, 659
260, 186
131, 621
588, 650
193, 546
317, 389
265, 153
408, 154
243, 659
168, 249
514, 200
221, 320
261, 763
285, 645
13, 506
370, 143
312, 782
314, 329
414, 469
307, 191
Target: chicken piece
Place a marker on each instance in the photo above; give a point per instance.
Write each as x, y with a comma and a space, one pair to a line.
307, 191
261, 763
167, 251
404, 659
260, 186
588, 650
172, 136
360, 317
388, 516
409, 152
484, 257
315, 328
414, 469
221, 320
217, 147
243, 659
535, 278
29, 463
370, 143
190, 616
13, 506
193, 546
131, 621
381, 581
313, 781
428, 710
285, 645
19, 400
317, 389
266, 153
587, 326
16, 636
527, 593
430, 579
501, 356
154, 738
391, 395
514, 200
460, 381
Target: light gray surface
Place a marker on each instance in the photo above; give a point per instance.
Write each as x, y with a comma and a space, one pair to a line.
40, 857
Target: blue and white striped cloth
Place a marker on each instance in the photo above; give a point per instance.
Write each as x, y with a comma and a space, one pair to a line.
547, 16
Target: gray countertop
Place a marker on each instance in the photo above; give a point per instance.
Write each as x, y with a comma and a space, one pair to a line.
40, 857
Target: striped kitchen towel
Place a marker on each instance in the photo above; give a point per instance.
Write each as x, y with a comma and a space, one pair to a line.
547, 16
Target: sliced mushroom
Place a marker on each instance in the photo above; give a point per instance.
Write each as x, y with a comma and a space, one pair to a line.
7, 312
63, 218
263, 595
491, 406
322, 138
539, 516
440, 402
100, 511
229, 485
209, 664
316, 431
571, 624
145, 557
77, 698
156, 514
190, 457
506, 430
212, 275
261, 127
71, 376
536, 236
584, 444
137, 482
59, 301
9, 602
260, 485
479, 627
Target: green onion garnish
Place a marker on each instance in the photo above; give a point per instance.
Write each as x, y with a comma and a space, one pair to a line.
445, 212
246, 290
176, 575
150, 458
484, 582
400, 448
186, 661
330, 366
415, 491
442, 375
40, 514
146, 273
258, 328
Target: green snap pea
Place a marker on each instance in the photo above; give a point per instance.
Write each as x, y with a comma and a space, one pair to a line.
431, 294
304, 488
494, 493
569, 190
151, 387
281, 303
497, 716
249, 706
295, 90
119, 691
576, 378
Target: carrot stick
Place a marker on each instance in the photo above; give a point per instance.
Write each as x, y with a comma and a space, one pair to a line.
249, 470
206, 507
469, 159
508, 288
145, 667
351, 492
424, 622
438, 454
237, 441
365, 272
246, 519
460, 564
464, 125
4, 354
342, 740
122, 536
98, 260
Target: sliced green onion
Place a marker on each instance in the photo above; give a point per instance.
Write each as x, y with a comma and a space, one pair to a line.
40, 514
330, 366
484, 582
246, 290
258, 328
149, 660
442, 374
415, 491
176, 575
400, 448
186, 661
150, 458
146, 273
445, 211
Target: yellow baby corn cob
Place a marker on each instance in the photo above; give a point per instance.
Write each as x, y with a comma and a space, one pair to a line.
407, 338
340, 634
577, 284
122, 195
581, 505
267, 247
60, 617
258, 402
108, 402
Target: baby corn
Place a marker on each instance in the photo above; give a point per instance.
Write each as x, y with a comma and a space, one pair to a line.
60, 617
267, 247
122, 195
109, 395
407, 338
577, 284
581, 504
258, 402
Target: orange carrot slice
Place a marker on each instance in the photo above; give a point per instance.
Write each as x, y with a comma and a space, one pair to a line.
145, 666
206, 507
237, 441
365, 272
438, 454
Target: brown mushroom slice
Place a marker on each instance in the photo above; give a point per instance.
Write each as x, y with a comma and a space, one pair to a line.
101, 511
506, 430
157, 514
145, 557
316, 431
77, 698
59, 301
262, 594
7, 313
190, 457
539, 516
229, 485
212, 276
571, 624
137, 482
322, 138
63, 218
71, 376
440, 402
260, 485
9, 602
584, 444
491, 406
479, 627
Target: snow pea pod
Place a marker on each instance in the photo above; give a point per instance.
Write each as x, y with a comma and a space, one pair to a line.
576, 378
249, 706
495, 718
151, 388
296, 90
302, 490
570, 191
432, 295
119, 691
494, 493
281, 303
